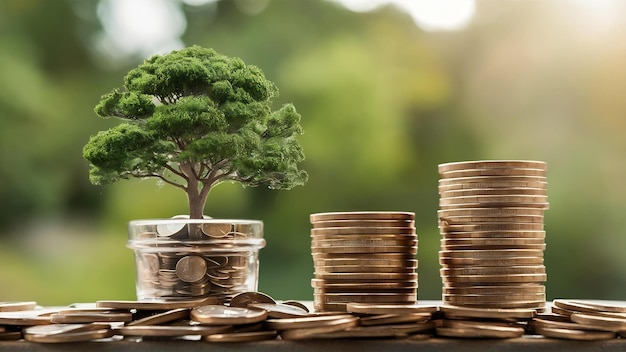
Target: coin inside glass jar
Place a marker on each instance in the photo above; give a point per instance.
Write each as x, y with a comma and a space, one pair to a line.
191, 268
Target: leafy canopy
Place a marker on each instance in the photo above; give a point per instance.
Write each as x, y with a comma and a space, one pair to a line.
194, 118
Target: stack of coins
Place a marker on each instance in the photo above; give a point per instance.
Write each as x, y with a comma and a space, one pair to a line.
491, 219
363, 257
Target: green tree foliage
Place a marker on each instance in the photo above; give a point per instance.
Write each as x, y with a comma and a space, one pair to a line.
195, 118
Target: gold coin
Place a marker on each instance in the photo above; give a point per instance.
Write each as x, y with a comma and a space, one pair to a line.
493, 270
506, 242
455, 203
217, 230
363, 223
490, 212
361, 256
469, 220
540, 247
512, 278
543, 206
365, 249
456, 312
362, 215
481, 332
406, 263
463, 299
536, 305
302, 334
243, 299
252, 336
364, 285
60, 333
157, 304
494, 192
191, 268
496, 290
493, 172
364, 308
572, 334
171, 330
492, 179
363, 230
513, 261
378, 237
494, 199
27, 317
497, 234
492, 164
309, 322
362, 291
90, 317
487, 227
278, 310
162, 318
363, 242
172, 229
616, 324
399, 318
17, 306
489, 183
495, 253
353, 277
332, 290
567, 312
297, 304
561, 322
363, 269
222, 315
591, 306
332, 308
369, 297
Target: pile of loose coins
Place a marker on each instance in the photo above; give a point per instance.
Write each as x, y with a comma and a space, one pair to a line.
254, 316
493, 240
181, 261
363, 257
582, 320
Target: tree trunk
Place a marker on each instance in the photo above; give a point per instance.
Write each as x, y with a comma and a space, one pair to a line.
196, 200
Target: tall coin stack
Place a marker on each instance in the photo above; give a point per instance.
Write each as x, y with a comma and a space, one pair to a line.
363, 257
493, 239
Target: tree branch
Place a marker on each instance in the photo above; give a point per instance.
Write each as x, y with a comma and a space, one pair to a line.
213, 176
175, 172
162, 178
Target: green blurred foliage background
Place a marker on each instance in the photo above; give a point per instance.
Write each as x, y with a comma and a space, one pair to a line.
383, 102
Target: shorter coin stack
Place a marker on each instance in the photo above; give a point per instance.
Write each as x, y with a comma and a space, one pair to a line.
491, 219
363, 257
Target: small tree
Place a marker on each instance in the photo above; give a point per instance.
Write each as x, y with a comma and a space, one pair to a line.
195, 118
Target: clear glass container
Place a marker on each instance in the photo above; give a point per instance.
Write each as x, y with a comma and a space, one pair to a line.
195, 258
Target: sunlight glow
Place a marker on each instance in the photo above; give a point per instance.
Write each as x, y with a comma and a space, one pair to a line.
143, 27
430, 15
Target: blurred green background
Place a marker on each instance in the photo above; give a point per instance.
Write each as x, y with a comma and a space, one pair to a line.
386, 93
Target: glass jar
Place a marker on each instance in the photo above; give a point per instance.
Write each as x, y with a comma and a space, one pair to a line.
194, 258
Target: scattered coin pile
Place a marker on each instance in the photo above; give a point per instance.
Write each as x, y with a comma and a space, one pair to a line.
251, 316
582, 320
193, 260
254, 316
493, 239
363, 257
